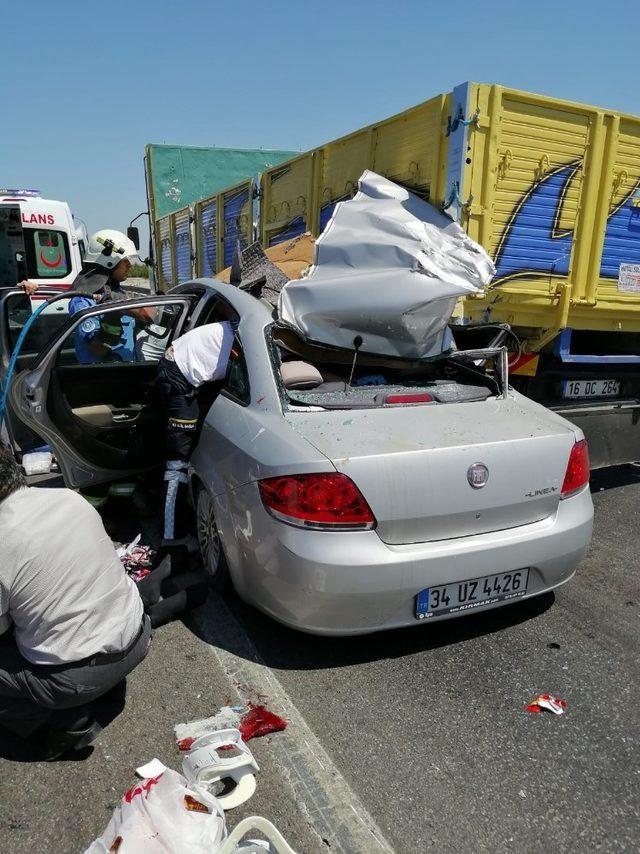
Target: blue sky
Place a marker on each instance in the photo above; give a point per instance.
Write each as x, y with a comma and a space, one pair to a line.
87, 85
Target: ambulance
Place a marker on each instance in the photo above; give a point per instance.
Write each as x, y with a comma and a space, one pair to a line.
40, 240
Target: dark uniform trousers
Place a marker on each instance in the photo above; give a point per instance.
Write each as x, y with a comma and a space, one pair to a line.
180, 401
32, 694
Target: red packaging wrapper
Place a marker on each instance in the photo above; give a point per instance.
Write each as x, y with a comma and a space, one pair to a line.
546, 701
260, 721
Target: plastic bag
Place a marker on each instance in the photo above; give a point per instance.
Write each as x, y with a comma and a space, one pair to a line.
164, 814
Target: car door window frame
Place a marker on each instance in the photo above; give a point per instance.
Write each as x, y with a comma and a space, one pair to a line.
225, 390
119, 310
203, 315
28, 393
75, 320
7, 340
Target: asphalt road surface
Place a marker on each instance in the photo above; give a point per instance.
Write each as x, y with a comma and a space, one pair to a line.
408, 741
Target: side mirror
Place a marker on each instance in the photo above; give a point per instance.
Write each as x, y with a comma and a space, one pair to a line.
134, 236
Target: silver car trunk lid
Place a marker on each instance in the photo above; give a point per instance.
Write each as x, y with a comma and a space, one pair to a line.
413, 464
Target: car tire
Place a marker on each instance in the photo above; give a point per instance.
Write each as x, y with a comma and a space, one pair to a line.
214, 562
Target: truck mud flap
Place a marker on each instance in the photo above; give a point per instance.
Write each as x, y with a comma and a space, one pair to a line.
612, 430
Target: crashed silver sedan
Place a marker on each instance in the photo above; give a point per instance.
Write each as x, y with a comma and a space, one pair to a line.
344, 509
369, 476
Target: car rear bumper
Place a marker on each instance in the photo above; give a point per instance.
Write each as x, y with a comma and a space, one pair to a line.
353, 583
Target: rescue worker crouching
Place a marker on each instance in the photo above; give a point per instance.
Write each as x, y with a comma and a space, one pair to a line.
199, 356
61, 652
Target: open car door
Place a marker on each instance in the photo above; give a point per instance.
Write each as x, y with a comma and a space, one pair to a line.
89, 392
15, 309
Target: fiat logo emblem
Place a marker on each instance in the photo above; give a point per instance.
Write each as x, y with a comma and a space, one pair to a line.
477, 475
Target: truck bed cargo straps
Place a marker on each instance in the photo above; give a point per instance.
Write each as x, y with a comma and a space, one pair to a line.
454, 199
459, 120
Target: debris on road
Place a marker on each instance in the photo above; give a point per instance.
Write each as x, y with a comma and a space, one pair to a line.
274, 841
227, 718
217, 759
186, 812
253, 722
548, 702
260, 721
164, 813
151, 769
217, 754
136, 559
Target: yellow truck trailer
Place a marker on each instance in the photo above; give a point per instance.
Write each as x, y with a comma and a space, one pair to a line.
552, 190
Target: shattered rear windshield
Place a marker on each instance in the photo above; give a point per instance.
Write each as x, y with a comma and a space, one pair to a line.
317, 377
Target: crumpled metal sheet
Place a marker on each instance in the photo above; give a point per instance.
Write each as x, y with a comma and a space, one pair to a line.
390, 268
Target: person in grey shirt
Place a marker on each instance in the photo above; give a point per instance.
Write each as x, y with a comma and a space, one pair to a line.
72, 622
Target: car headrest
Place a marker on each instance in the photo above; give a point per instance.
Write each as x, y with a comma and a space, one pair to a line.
300, 375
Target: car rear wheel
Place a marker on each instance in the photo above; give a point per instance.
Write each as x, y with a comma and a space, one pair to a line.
213, 559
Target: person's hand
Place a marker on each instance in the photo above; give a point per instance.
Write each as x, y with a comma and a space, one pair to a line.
28, 287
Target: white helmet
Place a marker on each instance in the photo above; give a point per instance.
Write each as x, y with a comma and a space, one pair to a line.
108, 247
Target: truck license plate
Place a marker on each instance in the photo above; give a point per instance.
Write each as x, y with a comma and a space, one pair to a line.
590, 388
467, 595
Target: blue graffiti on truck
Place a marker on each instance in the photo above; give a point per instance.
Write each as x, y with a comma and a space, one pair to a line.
533, 242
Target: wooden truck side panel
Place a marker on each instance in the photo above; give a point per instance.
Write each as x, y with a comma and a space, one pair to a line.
549, 187
553, 187
410, 148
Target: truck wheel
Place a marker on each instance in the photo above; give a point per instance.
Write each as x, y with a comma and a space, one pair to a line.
213, 559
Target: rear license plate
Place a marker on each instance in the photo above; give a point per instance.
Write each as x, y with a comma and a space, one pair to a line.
574, 389
467, 595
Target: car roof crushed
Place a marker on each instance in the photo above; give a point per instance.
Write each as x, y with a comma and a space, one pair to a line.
383, 277
389, 269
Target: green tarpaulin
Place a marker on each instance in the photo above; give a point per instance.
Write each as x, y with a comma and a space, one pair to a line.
178, 175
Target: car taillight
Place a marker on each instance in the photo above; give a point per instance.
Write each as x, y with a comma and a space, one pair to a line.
326, 501
577, 474
418, 397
